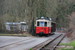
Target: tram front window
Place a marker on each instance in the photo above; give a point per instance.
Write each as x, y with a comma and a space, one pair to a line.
41, 24
45, 24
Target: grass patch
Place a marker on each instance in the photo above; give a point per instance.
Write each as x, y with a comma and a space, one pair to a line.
24, 35
68, 44
66, 49
44, 47
8, 33
30, 49
5, 32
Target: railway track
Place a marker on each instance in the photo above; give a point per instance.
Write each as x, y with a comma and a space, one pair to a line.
49, 44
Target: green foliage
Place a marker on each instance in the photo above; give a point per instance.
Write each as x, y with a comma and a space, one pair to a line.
65, 8
44, 47
69, 44
58, 25
65, 49
1, 7
38, 12
15, 10
59, 0
60, 12
6, 34
30, 49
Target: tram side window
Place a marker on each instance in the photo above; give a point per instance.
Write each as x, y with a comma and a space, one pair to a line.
37, 23
45, 24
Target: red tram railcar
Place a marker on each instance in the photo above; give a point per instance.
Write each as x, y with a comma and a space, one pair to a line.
45, 26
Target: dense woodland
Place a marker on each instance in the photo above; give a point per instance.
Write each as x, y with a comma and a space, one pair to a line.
29, 10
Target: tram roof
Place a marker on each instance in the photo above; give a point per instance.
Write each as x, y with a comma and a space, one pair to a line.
45, 20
